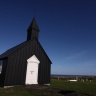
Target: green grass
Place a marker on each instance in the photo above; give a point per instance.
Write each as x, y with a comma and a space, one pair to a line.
78, 87
81, 87
19, 91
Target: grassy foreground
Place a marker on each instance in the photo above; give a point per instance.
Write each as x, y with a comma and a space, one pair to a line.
78, 87
81, 87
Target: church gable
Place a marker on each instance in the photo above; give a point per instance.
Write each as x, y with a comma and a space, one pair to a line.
17, 57
33, 59
38, 49
20, 57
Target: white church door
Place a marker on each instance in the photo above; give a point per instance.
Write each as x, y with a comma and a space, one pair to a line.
32, 70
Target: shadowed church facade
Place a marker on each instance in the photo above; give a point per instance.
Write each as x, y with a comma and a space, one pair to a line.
26, 63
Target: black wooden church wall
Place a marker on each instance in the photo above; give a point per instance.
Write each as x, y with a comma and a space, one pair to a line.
17, 64
15, 60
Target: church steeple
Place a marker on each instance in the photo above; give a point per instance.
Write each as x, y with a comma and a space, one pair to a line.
33, 30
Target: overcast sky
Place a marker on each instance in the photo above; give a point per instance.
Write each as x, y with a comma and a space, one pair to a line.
67, 31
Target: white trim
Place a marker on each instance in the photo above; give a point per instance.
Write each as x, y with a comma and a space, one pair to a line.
33, 59
1, 63
32, 70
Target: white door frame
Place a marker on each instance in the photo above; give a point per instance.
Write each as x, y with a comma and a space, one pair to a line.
32, 70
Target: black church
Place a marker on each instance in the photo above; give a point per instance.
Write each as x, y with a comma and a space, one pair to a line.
26, 63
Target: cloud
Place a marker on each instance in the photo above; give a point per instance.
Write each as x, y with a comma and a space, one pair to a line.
89, 63
77, 55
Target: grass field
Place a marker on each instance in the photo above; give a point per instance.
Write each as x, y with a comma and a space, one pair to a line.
77, 87
81, 87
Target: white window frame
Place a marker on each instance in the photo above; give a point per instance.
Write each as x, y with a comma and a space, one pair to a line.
1, 63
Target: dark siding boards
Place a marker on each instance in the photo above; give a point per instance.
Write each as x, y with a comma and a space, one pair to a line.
16, 70
32, 34
44, 71
17, 64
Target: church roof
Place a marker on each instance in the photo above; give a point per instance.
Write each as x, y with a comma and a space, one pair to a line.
12, 50
33, 25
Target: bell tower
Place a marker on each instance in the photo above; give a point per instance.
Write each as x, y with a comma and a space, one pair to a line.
33, 30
